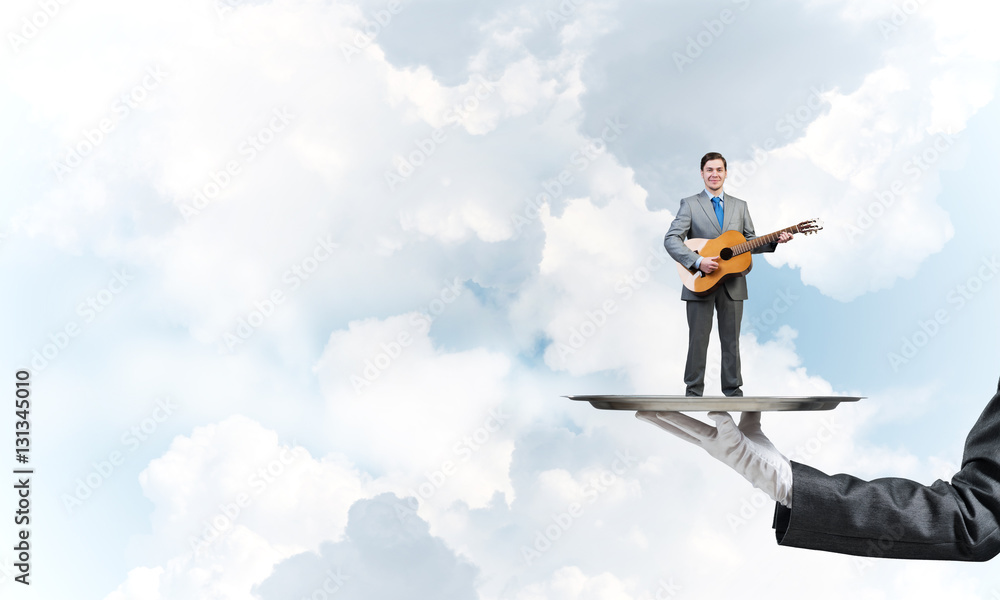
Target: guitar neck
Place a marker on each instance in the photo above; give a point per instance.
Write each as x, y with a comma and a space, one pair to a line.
763, 240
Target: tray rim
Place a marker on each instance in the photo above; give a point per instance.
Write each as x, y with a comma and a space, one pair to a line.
713, 403
702, 398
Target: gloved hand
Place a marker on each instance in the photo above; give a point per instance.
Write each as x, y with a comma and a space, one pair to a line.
745, 448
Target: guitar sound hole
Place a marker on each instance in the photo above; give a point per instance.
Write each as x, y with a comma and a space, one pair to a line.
726, 253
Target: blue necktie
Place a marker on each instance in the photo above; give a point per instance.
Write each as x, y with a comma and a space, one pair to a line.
717, 202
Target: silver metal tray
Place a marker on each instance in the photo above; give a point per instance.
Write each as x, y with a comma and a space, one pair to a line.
709, 403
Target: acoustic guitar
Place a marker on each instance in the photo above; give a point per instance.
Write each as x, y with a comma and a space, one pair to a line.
733, 251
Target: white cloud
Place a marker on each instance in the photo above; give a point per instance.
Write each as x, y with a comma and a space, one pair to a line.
387, 553
241, 560
230, 501
570, 583
872, 195
466, 415
878, 188
142, 582
245, 461
406, 407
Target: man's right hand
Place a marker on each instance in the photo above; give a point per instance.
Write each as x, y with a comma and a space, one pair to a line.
743, 448
708, 264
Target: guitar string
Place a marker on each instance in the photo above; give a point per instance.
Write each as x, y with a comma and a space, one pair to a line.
764, 239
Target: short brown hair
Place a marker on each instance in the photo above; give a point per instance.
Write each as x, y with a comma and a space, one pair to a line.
713, 156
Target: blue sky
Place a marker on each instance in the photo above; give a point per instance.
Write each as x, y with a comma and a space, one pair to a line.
306, 282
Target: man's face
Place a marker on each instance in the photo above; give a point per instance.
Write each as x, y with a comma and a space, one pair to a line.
714, 175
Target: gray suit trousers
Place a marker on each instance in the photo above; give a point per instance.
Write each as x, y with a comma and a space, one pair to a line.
699, 317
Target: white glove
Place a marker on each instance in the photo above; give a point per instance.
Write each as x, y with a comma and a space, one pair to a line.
745, 448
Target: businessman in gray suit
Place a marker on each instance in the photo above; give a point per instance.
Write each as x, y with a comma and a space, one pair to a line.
890, 517
707, 215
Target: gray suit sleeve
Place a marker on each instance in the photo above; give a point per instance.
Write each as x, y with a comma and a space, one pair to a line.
673, 241
749, 234
899, 518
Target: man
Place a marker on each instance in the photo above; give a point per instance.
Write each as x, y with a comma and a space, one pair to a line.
890, 517
708, 215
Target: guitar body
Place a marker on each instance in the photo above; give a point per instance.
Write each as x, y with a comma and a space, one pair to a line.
703, 284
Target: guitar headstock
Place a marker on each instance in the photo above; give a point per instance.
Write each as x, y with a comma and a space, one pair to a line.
810, 226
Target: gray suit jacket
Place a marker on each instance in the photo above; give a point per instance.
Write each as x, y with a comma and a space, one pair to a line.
899, 518
696, 219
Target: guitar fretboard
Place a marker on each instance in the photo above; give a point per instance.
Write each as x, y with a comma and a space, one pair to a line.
762, 240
